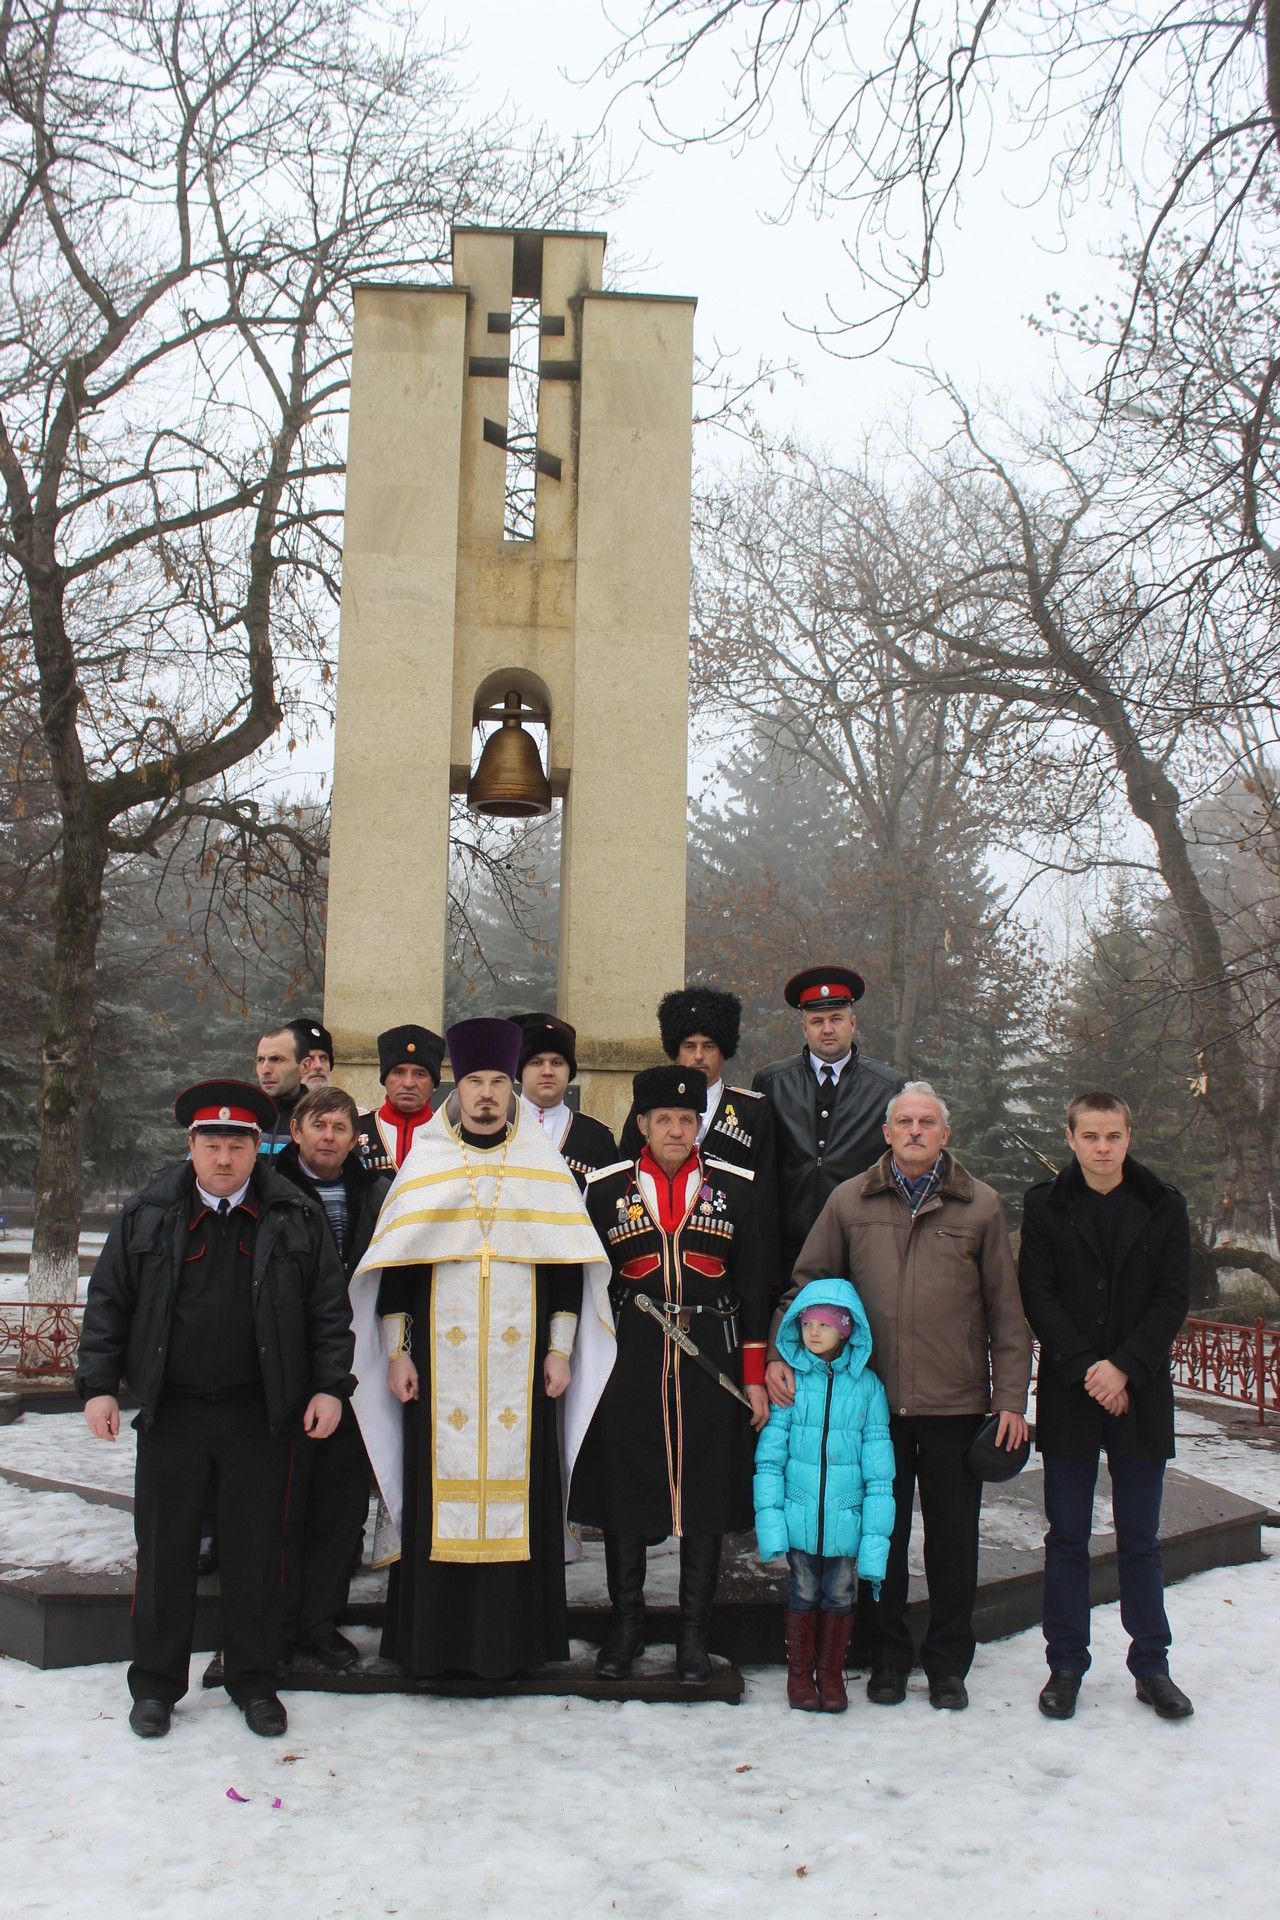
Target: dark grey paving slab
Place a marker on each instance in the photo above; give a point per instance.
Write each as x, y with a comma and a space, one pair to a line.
59, 1618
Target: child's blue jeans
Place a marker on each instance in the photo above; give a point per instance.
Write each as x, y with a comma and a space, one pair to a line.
820, 1584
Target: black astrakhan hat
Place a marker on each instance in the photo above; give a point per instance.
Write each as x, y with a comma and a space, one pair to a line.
670, 1087
700, 1010
313, 1038
823, 986
543, 1033
410, 1047
484, 1046
225, 1106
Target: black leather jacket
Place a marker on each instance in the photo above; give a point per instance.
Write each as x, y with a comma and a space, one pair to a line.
301, 1311
808, 1174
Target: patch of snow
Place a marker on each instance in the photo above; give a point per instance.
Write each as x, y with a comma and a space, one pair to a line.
452, 1809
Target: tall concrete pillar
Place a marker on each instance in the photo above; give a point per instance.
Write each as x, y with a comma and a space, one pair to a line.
440, 610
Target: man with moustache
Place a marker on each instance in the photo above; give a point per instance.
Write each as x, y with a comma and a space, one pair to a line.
482, 1300
668, 1450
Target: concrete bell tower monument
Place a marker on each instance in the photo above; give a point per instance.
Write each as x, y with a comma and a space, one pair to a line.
516, 539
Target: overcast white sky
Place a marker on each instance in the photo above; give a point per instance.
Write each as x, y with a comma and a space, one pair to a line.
694, 224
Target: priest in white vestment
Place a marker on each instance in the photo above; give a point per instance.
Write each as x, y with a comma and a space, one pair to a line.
481, 1303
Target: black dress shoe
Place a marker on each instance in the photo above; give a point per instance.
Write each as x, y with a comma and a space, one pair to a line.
1157, 1690
948, 1690
332, 1650
265, 1716
887, 1687
1058, 1695
150, 1718
207, 1560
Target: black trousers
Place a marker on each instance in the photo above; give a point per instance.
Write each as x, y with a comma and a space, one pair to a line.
929, 1454
328, 1506
1137, 1487
190, 1441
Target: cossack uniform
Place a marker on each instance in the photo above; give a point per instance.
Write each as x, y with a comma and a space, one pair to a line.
584, 1143
669, 1451
386, 1134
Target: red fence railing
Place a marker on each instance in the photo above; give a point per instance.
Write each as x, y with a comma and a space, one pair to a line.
39, 1338
1233, 1363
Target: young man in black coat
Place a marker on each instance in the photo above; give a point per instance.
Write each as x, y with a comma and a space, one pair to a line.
329, 1500
1105, 1272
221, 1300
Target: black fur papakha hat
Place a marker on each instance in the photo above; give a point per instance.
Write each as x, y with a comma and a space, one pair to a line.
700, 1010
670, 1087
410, 1047
544, 1033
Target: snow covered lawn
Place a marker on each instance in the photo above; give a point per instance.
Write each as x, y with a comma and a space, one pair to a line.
444, 1809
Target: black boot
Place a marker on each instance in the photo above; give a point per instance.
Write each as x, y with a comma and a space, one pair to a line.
699, 1572
624, 1566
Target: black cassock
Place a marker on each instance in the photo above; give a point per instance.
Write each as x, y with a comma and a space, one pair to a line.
496, 1618
669, 1451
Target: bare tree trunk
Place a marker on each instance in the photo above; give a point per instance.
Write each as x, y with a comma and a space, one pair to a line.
68, 1074
1245, 1201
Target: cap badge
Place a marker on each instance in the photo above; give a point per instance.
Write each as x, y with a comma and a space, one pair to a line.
224, 1113
825, 992
411, 1046
680, 1087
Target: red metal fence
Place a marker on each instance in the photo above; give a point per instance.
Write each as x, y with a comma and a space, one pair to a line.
38, 1338
1233, 1363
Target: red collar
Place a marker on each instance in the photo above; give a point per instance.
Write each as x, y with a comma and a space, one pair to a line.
405, 1124
673, 1193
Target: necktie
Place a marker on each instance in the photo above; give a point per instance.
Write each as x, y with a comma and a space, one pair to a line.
827, 1078
224, 1208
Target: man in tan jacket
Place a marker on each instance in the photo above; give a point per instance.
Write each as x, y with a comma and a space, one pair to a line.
926, 1246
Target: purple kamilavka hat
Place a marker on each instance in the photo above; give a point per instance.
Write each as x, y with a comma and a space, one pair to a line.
484, 1046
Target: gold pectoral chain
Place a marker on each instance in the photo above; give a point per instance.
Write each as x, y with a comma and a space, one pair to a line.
486, 1226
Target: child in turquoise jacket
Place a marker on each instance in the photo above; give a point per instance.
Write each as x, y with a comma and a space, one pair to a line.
824, 1486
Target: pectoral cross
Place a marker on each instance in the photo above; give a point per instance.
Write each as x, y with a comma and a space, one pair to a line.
484, 1263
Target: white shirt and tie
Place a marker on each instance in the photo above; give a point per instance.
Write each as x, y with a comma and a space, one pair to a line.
828, 1073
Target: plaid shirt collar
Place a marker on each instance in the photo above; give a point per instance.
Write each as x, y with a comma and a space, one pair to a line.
916, 1192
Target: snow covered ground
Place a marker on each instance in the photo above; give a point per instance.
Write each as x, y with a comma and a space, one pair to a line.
449, 1809
536, 1809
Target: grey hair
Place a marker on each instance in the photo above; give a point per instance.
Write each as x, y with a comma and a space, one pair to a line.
918, 1086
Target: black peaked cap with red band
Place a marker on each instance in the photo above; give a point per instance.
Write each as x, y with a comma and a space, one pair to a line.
544, 1033
823, 987
228, 1105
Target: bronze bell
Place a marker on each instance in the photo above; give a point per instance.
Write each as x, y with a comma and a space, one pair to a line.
509, 782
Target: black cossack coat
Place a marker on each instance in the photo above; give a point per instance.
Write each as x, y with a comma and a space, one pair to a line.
1079, 1314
